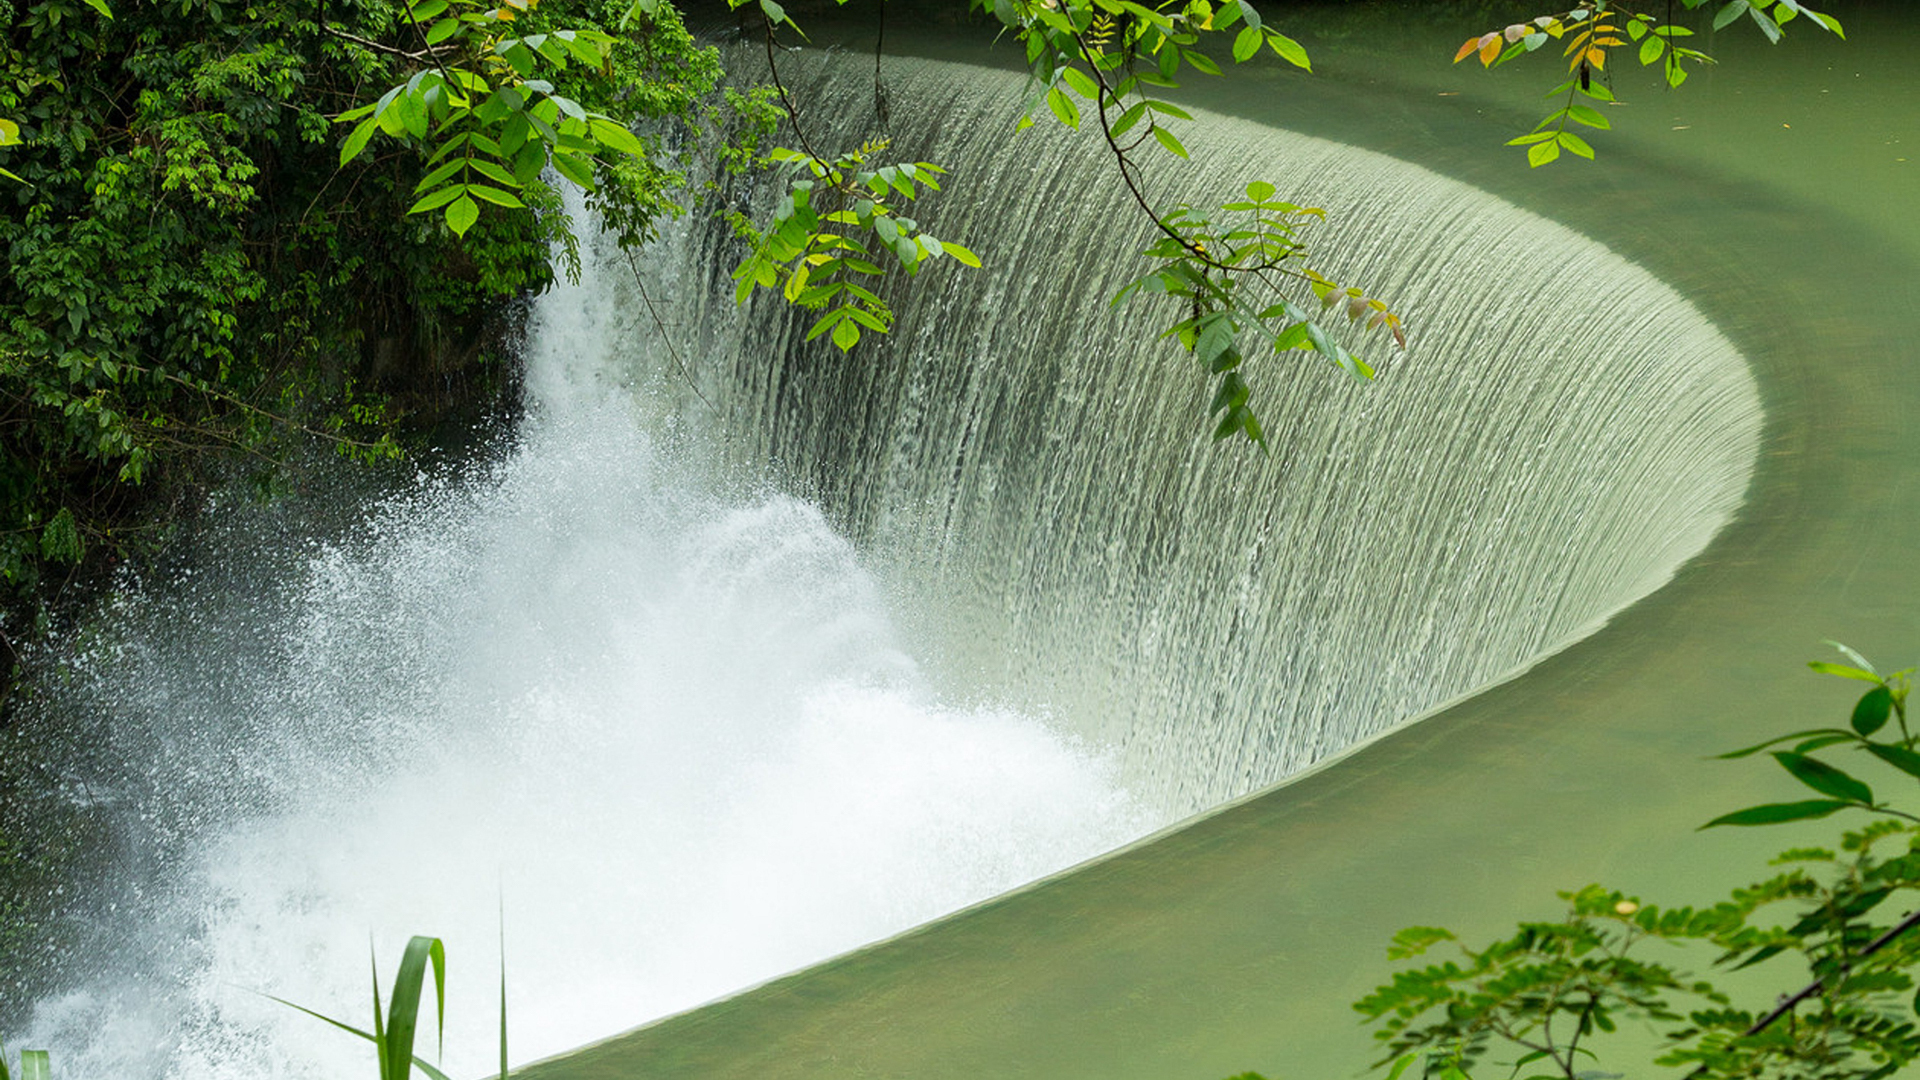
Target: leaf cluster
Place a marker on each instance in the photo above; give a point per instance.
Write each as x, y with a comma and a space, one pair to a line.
815, 252
1238, 270
1534, 1001
1591, 32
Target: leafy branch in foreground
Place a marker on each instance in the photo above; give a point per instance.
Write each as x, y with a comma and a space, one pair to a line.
1592, 31
814, 239
1238, 269
1538, 1002
479, 110
813, 244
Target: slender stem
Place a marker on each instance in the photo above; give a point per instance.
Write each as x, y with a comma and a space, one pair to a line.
661, 325
786, 99
368, 43
1128, 175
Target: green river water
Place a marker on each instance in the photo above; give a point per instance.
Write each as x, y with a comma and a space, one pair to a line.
1780, 193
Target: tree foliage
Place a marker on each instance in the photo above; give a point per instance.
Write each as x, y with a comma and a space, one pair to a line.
1592, 32
1536, 1004
202, 260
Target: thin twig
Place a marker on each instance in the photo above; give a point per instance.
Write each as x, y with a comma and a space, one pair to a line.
1127, 175
665, 337
1786, 1006
367, 43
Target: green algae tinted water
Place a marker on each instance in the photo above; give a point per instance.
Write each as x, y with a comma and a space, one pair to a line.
1772, 195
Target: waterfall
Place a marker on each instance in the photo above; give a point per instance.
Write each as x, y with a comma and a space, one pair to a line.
712, 673
1564, 432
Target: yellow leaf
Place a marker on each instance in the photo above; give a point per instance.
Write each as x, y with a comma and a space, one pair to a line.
1467, 50
1598, 58
1489, 49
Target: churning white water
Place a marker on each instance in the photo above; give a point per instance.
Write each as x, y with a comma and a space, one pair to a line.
673, 733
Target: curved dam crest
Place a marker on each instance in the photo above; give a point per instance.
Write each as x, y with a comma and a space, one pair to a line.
1035, 469
700, 731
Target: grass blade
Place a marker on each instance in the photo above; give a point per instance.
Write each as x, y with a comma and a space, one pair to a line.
424, 1065
35, 1065
503, 989
403, 1017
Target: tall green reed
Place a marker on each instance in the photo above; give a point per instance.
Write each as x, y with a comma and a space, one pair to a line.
396, 1025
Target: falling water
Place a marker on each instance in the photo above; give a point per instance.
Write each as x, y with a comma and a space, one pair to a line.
987, 602
1563, 434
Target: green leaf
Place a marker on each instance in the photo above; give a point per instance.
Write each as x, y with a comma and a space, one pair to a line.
441, 175
1235, 420
1843, 671
1063, 107
1289, 50
617, 138
1590, 116
101, 7
960, 254
1542, 153
573, 168
60, 541
1849, 653
1775, 813
1081, 82
1757, 747
1129, 118
403, 1015
1871, 712
496, 196
1575, 143
357, 140
1897, 756
35, 1065
1246, 44
1216, 336
412, 109
1200, 61
461, 214
493, 172
1168, 141
436, 199
1651, 48
1823, 777
1416, 940
846, 334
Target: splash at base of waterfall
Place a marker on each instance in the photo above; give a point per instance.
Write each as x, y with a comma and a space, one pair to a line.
674, 734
